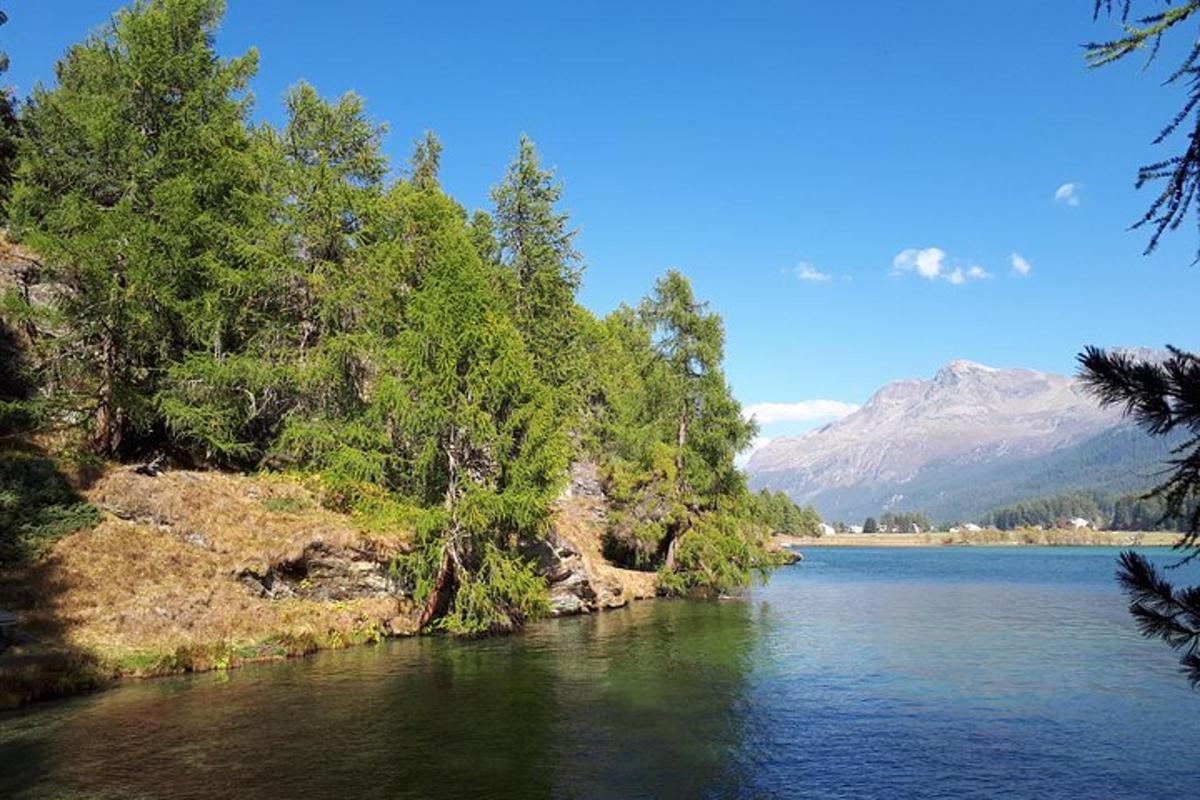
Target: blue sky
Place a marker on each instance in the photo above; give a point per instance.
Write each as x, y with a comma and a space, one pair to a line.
762, 147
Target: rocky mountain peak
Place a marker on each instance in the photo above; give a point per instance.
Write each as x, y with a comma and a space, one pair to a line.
966, 414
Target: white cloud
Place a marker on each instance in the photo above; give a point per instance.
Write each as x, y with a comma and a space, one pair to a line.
803, 411
807, 272
931, 264
978, 273
1068, 194
1021, 265
927, 263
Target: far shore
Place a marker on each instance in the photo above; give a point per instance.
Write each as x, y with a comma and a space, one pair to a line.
988, 538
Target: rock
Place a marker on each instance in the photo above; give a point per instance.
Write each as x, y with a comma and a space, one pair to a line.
152, 468
585, 481
562, 565
322, 573
196, 539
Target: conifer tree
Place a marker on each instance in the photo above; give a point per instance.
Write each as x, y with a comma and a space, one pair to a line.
668, 430
1162, 397
708, 428
255, 293
280, 354
135, 185
475, 435
426, 161
537, 246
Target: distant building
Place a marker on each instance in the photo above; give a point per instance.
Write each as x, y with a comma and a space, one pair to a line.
971, 527
827, 530
914, 528
856, 529
1078, 523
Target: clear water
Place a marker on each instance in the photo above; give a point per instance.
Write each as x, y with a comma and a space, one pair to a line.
933, 673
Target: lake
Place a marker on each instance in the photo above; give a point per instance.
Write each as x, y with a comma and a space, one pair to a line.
858, 673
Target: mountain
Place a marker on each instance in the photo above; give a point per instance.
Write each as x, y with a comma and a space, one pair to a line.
970, 439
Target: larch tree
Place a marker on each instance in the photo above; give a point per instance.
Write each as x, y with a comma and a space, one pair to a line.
536, 243
476, 435
135, 185
668, 430
277, 354
707, 424
426, 161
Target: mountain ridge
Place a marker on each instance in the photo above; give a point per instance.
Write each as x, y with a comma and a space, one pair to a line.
959, 444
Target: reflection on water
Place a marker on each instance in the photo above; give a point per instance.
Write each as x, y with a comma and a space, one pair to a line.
919, 673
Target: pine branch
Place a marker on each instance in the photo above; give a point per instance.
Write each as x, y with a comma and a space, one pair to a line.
1181, 173
1161, 611
1161, 397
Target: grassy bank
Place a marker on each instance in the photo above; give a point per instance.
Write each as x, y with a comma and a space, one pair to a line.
189, 572
990, 538
197, 571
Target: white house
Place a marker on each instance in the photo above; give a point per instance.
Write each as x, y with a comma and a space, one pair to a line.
1078, 523
827, 530
971, 527
856, 528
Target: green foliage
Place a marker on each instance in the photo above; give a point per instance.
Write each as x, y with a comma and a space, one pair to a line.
1163, 611
870, 525
1180, 174
666, 429
19, 404
715, 557
536, 244
905, 521
38, 506
250, 297
1119, 512
285, 320
135, 184
782, 516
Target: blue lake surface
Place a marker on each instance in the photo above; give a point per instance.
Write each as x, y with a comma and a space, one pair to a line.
859, 673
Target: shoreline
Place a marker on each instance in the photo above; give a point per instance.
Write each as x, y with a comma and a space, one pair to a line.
989, 538
207, 571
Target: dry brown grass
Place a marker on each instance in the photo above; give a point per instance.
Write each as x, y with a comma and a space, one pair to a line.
156, 586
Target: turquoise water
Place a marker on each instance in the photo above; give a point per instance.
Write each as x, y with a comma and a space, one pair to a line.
939, 673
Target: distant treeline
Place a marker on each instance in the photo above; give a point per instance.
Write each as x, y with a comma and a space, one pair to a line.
1107, 510
1129, 512
777, 511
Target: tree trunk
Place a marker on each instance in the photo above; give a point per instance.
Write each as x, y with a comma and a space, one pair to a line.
671, 548
443, 588
107, 436
444, 584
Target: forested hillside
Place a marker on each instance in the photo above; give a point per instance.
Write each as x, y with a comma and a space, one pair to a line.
233, 295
